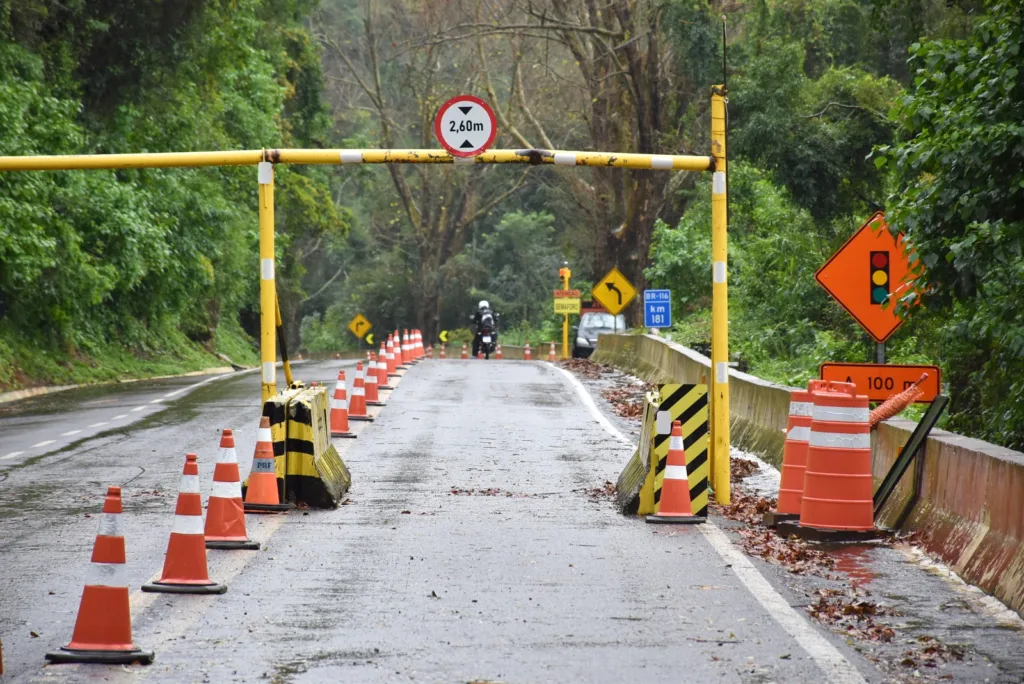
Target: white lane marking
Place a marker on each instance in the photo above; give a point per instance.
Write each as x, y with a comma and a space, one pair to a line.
69, 433
123, 415
13, 454
45, 442
156, 401
589, 403
828, 658
835, 666
138, 408
100, 424
175, 393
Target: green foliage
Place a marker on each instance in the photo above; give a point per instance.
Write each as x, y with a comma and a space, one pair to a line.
960, 202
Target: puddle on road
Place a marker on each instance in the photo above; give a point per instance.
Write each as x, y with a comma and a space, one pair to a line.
854, 561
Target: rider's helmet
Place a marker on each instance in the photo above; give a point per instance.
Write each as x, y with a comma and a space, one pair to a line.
483, 305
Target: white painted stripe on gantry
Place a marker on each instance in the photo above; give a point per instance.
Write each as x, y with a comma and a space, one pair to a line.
226, 455
661, 161
841, 414
351, 156
835, 666
722, 373
267, 269
111, 525
226, 490
718, 183
663, 423
718, 272
565, 159
840, 440
189, 484
801, 408
269, 372
263, 434
106, 575
187, 524
265, 173
676, 472
800, 434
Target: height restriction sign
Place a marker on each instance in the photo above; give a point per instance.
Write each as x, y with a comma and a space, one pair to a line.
465, 125
868, 275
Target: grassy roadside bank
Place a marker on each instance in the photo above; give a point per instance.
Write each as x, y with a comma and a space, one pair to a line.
25, 364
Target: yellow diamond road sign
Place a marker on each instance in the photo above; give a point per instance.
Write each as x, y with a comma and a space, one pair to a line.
614, 291
359, 326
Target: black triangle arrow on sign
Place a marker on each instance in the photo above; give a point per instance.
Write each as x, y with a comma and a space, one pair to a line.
466, 110
466, 146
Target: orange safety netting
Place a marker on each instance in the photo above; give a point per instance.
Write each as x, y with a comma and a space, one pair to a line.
896, 403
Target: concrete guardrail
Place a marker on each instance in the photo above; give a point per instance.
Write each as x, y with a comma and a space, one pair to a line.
970, 509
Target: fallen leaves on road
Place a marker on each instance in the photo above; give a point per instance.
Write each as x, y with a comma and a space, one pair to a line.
851, 613
490, 491
745, 507
585, 367
794, 555
605, 491
627, 401
932, 654
742, 467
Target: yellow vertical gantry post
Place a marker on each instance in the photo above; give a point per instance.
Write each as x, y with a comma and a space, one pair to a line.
268, 288
720, 465
566, 274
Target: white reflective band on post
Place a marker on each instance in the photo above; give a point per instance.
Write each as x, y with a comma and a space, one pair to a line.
799, 434
841, 414
660, 161
226, 490
718, 183
676, 472
111, 525
565, 158
358, 391
841, 440
187, 524
263, 434
269, 372
718, 272
226, 455
675, 443
351, 156
263, 465
106, 575
663, 423
801, 408
267, 269
189, 484
721, 372
265, 173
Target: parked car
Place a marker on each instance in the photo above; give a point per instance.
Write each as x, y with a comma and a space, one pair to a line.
592, 325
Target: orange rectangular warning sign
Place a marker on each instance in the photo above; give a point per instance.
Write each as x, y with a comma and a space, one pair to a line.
879, 381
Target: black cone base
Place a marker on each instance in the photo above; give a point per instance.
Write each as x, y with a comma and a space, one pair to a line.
366, 419
771, 518
376, 403
348, 435
267, 508
386, 387
786, 529
74, 655
247, 545
675, 519
168, 588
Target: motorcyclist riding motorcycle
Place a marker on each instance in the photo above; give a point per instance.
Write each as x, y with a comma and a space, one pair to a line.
486, 338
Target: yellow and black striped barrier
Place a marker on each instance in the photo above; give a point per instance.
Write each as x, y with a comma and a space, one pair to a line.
316, 475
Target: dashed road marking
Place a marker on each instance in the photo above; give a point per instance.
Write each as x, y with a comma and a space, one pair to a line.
100, 424
826, 656
69, 433
138, 408
123, 415
13, 454
45, 442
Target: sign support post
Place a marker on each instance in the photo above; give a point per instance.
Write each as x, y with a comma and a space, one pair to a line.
719, 451
880, 352
564, 273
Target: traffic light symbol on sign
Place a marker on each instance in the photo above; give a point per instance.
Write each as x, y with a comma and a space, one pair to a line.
879, 277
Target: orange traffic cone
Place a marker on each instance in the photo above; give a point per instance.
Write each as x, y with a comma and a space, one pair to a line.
392, 358
357, 407
185, 569
837, 481
527, 355
419, 344
430, 352
372, 395
465, 352
225, 518
382, 369
339, 410
551, 354
103, 629
497, 352
794, 457
443, 355
674, 506
262, 495
406, 349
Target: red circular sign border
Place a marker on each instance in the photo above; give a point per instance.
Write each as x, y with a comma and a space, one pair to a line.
448, 105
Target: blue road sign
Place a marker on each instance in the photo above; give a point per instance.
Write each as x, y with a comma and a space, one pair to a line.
658, 308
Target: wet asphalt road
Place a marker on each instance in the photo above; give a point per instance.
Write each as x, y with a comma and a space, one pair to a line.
469, 550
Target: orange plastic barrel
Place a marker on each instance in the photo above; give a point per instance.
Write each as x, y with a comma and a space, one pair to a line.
837, 479
794, 452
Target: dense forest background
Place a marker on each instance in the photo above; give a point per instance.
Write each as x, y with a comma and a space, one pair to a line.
837, 108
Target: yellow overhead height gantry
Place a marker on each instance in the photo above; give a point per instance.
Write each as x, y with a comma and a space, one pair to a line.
265, 159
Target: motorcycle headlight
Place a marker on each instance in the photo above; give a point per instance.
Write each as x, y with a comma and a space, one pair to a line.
582, 342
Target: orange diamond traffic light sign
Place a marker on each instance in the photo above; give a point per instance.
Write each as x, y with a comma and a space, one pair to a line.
866, 276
